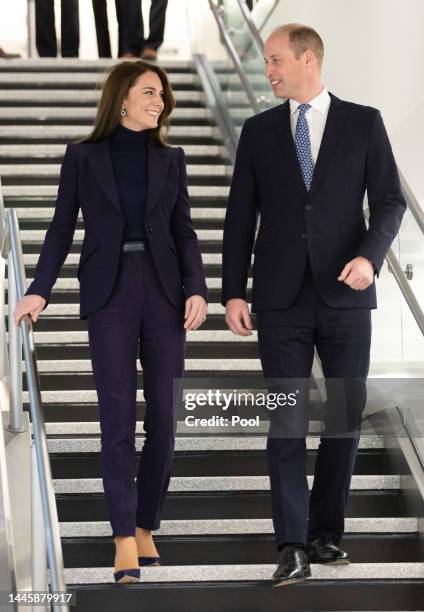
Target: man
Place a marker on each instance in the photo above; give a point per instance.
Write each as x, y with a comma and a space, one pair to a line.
131, 41
305, 165
45, 30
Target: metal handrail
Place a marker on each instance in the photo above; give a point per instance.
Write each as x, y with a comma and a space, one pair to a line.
216, 103
218, 14
10, 243
256, 37
412, 202
257, 9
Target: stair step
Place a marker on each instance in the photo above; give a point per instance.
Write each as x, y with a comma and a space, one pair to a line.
182, 444
73, 114
75, 97
248, 548
41, 113
42, 151
52, 171
199, 350
224, 483
37, 191
41, 213
73, 283
235, 504
183, 528
234, 591
237, 593
216, 463
84, 80
73, 132
83, 65
251, 572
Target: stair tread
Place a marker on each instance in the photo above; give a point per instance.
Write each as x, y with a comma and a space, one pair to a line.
88, 529
250, 572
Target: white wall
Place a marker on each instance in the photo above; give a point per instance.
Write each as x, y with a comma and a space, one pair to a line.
374, 54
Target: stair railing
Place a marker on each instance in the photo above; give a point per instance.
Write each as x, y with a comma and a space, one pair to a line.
41, 513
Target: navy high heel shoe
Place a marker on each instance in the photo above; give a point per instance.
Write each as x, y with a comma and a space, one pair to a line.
127, 575
145, 561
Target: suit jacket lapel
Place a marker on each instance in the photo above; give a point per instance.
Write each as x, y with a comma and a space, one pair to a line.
157, 169
333, 127
101, 165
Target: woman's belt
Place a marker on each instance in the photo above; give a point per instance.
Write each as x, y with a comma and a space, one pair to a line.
139, 245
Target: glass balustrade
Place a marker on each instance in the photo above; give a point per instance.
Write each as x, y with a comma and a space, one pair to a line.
411, 258
255, 94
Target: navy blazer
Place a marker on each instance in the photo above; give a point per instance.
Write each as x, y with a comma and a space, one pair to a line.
327, 223
87, 181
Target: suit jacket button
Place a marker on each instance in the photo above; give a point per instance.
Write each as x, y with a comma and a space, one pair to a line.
304, 236
308, 207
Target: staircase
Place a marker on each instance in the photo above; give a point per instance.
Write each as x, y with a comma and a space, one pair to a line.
216, 540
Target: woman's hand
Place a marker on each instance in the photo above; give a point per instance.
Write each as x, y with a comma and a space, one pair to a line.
196, 309
29, 304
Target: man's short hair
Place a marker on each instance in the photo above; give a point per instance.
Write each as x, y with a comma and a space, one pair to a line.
301, 38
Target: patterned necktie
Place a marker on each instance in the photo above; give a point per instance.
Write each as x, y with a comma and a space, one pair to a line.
303, 146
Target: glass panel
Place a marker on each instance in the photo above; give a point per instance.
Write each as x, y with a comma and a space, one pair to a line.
386, 346
411, 258
250, 53
262, 11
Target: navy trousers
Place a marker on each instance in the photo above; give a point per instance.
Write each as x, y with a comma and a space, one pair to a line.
138, 321
45, 30
286, 339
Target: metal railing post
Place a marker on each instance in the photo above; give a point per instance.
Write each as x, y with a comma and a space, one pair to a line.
38, 538
31, 28
15, 355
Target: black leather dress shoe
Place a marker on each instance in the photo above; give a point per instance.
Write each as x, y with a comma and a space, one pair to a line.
293, 566
324, 550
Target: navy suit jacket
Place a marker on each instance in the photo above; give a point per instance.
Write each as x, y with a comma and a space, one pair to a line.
327, 222
87, 181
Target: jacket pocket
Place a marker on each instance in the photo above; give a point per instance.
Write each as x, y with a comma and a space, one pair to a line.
89, 245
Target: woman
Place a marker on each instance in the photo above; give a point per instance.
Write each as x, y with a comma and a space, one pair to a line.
142, 286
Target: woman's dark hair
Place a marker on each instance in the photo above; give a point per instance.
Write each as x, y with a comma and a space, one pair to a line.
118, 81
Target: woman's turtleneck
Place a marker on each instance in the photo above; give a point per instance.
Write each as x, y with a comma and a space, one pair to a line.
128, 150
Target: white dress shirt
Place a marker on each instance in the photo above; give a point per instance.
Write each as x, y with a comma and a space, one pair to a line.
316, 118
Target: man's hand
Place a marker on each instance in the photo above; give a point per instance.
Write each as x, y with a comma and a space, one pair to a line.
237, 317
358, 273
196, 309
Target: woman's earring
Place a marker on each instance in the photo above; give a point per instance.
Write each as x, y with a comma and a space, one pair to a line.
123, 111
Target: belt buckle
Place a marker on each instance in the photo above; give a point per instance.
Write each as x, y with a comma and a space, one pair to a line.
134, 246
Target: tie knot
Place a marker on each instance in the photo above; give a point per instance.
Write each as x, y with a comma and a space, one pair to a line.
303, 108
